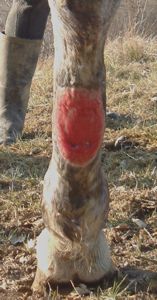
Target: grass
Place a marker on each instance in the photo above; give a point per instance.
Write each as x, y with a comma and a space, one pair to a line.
132, 173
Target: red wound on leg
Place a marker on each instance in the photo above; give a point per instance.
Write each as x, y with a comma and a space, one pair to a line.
80, 124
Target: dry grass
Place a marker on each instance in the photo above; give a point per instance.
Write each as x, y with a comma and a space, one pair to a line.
133, 15
132, 173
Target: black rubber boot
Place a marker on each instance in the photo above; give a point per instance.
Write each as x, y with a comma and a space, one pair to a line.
18, 59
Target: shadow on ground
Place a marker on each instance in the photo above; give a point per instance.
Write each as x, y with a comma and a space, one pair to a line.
117, 121
139, 280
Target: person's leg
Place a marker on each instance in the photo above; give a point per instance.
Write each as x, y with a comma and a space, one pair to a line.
27, 19
19, 51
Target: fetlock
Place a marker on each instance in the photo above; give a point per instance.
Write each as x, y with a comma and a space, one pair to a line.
17, 65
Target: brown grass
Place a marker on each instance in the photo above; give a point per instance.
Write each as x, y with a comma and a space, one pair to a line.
132, 173
136, 16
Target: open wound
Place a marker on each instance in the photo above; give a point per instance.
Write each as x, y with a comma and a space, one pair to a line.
80, 124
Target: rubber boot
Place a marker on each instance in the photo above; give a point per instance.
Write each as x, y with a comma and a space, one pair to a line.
18, 59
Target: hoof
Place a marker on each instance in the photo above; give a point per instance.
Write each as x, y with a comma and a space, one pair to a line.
39, 283
62, 262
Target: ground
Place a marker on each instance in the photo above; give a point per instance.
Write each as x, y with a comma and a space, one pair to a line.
129, 158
